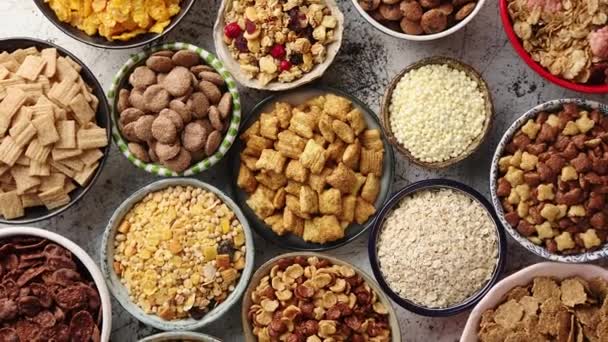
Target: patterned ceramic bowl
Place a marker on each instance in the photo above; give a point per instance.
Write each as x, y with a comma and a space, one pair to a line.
121, 80
506, 138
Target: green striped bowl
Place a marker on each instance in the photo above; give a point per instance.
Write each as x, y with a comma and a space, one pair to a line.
157, 169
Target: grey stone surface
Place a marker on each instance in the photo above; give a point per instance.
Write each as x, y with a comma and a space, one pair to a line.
366, 63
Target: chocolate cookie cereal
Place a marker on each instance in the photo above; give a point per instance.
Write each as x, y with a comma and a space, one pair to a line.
418, 17
45, 294
311, 299
176, 111
554, 180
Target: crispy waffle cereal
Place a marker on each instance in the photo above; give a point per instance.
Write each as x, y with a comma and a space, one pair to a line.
312, 169
116, 19
179, 252
48, 133
572, 309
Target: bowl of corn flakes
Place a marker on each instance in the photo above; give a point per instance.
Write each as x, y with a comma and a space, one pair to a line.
542, 302
567, 44
314, 167
115, 24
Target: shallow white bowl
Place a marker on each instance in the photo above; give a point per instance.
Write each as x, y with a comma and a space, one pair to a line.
120, 291
523, 277
85, 259
176, 335
423, 37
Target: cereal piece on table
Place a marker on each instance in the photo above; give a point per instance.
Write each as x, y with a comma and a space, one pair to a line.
54, 198
293, 223
322, 229
342, 178
271, 160
271, 179
31, 67
256, 144
45, 129
83, 113
343, 131
67, 134
313, 157
269, 126
282, 110
349, 204
260, 204
371, 188
89, 157
372, 140
330, 202
337, 106
50, 58
293, 187
30, 201
318, 182
254, 129
371, 162
335, 150
39, 169
302, 124
364, 210
293, 203
9, 151
246, 179
356, 120
88, 138
10, 205
15, 98
23, 180
309, 202
36, 151
82, 177
290, 144
296, 171
22, 133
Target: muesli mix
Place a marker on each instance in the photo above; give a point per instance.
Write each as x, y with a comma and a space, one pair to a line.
179, 252
279, 40
554, 180
568, 38
438, 247
310, 299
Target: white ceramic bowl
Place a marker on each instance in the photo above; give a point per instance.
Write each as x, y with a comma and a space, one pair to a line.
423, 37
180, 335
120, 291
523, 277
84, 258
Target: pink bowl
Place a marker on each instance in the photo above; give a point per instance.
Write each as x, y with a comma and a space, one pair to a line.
508, 26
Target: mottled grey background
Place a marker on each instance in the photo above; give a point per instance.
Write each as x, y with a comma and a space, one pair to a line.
366, 63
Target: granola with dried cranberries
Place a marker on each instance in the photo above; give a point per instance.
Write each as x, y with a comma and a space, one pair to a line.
279, 40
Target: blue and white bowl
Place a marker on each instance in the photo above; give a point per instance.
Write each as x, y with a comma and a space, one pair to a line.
551, 106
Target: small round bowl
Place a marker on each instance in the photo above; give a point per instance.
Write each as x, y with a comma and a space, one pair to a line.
102, 117
119, 290
494, 174
424, 37
454, 64
87, 262
377, 229
521, 278
101, 42
180, 336
291, 241
539, 69
264, 270
234, 67
121, 80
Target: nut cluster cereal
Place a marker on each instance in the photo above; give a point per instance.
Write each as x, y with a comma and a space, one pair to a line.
571, 309
313, 169
46, 294
116, 19
313, 300
436, 112
554, 180
177, 110
419, 17
49, 138
569, 39
279, 40
438, 248
179, 252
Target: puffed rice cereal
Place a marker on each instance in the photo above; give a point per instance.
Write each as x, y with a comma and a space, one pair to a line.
179, 252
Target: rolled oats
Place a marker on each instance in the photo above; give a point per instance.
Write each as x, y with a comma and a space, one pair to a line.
179, 252
438, 247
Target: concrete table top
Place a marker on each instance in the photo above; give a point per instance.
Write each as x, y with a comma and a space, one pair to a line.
364, 66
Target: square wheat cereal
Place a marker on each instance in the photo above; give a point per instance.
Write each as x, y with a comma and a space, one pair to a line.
39, 169
37, 152
89, 157
371, 188
260, 204
45, 127
83, 113
4, 73
292, 223
271, 160
9, 151
73, 163
363, 211
10, 205
23, 161
246, 179
50, 57
83, 177
336, 106
269, 126
15, 98
32, 67
372, 140
302, 124
67, 134
371, 162
293, 203
309, 202
91, 138
348, 209
296, 171
54, 198
330, 202
271, 179
65, 70
290, 144
61, 154
53, 180
30, 201
62, 169
24, 114
342, 178
23, 180
22, 133
69, 187
313, 157
357, 121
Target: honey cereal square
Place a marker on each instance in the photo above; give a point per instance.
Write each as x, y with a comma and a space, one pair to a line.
249, 161
90, 157
336, 106
54, 198
30, 201
293, 223
293, 203
9, 151
22, 133
282, 110
371, 188
23, 180
349, 204
290, 144
296, 171
318, 182
276, 224
260, 204
39, 169
318, 138
10, 205
313, 157
342, 178
45, 128
322, 229
371, 139
364, 210
269, 126
254, 129
356, 186
271, 160
12, 102
246, 179
91, 137
356, 120
31, 67
36, 151
330, 202
325, 128
279, 198
293, 187
271, 179
83, 176
371, 162
256, 144
309, 202
352, 155
335, 150
302, 124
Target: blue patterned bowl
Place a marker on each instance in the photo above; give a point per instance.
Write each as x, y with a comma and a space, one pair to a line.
550, 106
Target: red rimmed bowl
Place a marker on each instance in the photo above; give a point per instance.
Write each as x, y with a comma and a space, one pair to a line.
539, 69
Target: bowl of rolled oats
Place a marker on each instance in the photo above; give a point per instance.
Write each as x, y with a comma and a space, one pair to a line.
566, 42
278, 45
315, 297
549, 179
543, 302
436, 247
177, 254
54, 130
314, 166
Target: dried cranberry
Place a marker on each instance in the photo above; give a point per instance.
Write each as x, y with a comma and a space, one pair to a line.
285, 65
232, 30
277, 51
241, 43
296, 59
250, 26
